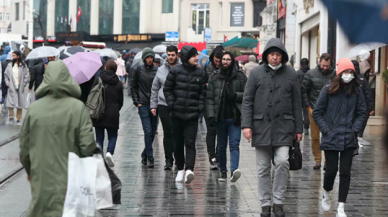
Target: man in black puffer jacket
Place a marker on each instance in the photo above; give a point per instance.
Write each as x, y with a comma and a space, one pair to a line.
185, 90
142, 79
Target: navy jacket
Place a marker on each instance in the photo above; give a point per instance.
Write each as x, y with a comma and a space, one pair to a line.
339, 117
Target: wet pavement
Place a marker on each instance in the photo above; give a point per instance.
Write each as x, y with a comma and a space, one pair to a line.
153, 192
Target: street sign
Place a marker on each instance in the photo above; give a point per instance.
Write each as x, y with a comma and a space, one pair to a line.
172, 36
208, 35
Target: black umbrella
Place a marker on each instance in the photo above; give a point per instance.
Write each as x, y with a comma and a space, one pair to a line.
135, 50
70, 51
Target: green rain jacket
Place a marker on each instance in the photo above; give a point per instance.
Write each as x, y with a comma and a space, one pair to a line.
56, 124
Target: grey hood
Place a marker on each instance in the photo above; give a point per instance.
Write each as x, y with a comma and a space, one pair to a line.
275, 42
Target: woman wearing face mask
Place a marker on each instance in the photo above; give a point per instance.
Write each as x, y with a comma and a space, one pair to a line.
339, 114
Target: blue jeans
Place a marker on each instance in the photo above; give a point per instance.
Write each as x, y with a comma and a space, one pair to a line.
224, 129
149, 122
112, 138
4, 90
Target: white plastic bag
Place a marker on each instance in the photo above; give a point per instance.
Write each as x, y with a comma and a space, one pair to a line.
103, 185
28, 100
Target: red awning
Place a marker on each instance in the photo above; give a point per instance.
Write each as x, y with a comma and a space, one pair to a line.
199, 45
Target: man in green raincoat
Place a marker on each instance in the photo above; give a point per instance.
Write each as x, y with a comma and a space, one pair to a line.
56, 124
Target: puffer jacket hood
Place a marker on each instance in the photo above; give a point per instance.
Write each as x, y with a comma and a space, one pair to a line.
146, 53
109, 77
186, 50
58, 82
275, 42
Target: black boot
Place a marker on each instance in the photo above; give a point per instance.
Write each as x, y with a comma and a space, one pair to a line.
151, 163
143, 159
278, 210
265, 211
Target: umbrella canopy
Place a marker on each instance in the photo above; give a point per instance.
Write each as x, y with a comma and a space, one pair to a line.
106, 52
70, 51
43, 52
160, 48
83, 65
201, 57
135, 50
362, 48
243, 58
62, 47
361, 20
138, 61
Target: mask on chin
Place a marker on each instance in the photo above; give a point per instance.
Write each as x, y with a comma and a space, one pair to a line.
275, 67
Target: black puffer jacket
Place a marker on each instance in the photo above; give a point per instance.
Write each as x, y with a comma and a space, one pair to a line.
312, 84
141, 85
185, 89
114, 100
36, 74
365, 87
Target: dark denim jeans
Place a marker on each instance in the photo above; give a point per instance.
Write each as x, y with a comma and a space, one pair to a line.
224, 129
149, 123
168, 139
112, 138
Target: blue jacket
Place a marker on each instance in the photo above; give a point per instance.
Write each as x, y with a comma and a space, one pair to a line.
339, 118
7, 49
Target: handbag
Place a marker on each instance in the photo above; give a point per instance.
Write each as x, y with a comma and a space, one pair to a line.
295, 156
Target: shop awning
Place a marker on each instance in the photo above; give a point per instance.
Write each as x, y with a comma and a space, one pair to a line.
241, 42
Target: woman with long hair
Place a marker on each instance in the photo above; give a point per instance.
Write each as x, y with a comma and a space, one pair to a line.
340, 113
16, 79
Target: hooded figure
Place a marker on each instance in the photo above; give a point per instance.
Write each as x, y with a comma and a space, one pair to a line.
272, 119
7, 49
250, 65
55, 125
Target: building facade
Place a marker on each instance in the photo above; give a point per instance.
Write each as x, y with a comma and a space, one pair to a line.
5, 16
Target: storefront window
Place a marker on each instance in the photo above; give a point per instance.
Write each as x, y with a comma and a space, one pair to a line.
61, 15
105, 24
131, 13
40, 17
167, 6
84, 20
200, 17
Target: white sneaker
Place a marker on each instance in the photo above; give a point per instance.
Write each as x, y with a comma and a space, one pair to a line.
235, 176
341, 212
362, 141
189, 176
180, 175
326, 202
109, 159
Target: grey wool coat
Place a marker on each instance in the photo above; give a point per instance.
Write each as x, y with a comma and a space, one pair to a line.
271, 104
15, 95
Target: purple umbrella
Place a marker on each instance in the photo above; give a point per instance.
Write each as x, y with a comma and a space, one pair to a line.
82, 66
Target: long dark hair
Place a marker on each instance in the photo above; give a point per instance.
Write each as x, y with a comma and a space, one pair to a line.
20, 61
350, 88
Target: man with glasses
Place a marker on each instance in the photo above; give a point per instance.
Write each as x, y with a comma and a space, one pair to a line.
313, 82
223, 107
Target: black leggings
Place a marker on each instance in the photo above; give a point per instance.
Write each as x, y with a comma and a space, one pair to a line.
346, 160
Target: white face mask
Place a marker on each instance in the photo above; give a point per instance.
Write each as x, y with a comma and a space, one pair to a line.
275, 67
347, 78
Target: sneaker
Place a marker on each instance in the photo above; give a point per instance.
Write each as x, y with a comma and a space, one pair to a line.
341, 212
235, 175
168, 166
189, 176
222, 177
180, 175
265, 211
143, 159
109, 159
151, 163
11, 121
326, 203
19, 123
317, 166
278, 210
362, 141
213, 164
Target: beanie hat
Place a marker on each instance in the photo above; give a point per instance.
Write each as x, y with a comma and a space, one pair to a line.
146, 53
344, 64
274, 49
193, 51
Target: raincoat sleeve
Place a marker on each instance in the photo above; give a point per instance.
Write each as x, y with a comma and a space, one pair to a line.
248, 101
24, 140
320, 110
210, 99
155, 90
360, 112
87, 144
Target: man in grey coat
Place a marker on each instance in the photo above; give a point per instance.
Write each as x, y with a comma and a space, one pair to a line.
250, 65
272, 119
158, 102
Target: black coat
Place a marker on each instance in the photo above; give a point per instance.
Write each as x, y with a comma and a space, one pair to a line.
339, 118
114, 100
141, 84
272, 105
86, 88
36, 75
365, 87
185, 89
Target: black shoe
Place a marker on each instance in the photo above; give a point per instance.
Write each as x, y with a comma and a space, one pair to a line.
317, 166
168, 166
151, 163
265, 211
144, 159
222, 177
213, 164
278, 210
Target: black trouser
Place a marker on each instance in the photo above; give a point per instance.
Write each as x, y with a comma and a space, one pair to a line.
306, 121
361, 133
168, 140
185, 133
211, 140
346, 160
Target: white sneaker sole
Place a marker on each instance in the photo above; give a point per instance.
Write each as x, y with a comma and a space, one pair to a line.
324, 208
221, 180
236, 176
189, 178
110, 161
